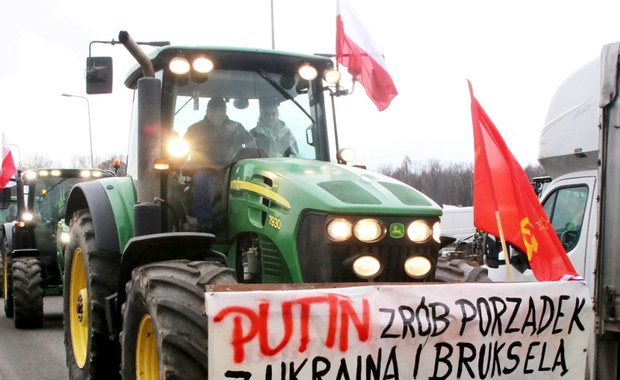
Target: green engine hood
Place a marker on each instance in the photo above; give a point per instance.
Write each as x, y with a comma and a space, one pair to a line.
299, 184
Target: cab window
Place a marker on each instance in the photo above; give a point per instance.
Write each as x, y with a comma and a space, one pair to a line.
566, 209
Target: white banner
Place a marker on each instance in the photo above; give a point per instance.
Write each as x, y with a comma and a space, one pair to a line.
431, 331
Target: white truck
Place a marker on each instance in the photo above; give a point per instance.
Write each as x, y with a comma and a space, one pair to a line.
580, 150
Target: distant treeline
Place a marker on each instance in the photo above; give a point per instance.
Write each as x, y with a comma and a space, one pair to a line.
38, 161
445, 183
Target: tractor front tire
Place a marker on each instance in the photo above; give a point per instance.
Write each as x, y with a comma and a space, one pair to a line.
164, 332
90, 276
27, 293
7, 287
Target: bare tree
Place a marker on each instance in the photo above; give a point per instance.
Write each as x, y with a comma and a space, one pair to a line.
105, 162
80, 161
36, 161
445, 183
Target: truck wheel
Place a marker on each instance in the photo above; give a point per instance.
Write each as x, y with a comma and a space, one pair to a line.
459, 270
27, 293
7, 287
164, 322
90, 276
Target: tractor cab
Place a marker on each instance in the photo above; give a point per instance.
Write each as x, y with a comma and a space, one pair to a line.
8, 202
292, 86
44, 193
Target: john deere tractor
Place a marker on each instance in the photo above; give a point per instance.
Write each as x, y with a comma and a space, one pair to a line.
33, 254
136, 264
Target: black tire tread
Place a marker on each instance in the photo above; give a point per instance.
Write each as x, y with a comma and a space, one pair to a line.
27, 293
8, 298
459, 270
103, 359
172, 292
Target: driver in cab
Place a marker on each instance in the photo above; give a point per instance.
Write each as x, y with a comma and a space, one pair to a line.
213, 143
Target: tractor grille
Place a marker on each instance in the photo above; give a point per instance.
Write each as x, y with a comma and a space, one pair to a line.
322, 260
273, 266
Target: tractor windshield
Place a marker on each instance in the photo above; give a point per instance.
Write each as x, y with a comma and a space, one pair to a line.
46, 191
283, 100
51, 195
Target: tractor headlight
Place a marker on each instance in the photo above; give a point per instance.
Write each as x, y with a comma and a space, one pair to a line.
307, 72
331, 76
29, 176
179, 65
27, 217
346, 155
419, 231
418, 266
367, 267
339, 229
178, 148
369, 230
202, 65
437, 232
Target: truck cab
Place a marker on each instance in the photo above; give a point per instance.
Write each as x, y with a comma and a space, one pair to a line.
579, 149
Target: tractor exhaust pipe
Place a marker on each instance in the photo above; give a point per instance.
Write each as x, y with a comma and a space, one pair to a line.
132, 46
149, 124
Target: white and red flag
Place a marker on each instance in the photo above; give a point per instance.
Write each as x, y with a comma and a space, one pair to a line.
8, 165
356, 50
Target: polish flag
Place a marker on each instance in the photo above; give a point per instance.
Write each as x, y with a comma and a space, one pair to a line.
8, 165
356, 50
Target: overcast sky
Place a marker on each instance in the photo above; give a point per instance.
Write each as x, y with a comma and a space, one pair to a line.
515, 53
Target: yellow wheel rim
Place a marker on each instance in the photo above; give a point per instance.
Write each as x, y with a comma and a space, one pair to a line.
78, 308
147, 361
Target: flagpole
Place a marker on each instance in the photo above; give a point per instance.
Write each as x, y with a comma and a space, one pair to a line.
504, 248
273, 33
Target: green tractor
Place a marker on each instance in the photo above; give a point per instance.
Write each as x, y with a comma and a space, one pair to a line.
33, 248
136, 264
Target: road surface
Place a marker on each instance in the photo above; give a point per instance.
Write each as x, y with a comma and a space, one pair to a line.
34, 354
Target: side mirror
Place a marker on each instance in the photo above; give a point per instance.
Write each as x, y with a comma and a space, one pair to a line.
99, 75
5, 198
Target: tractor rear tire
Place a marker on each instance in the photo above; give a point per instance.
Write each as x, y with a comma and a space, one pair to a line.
27, 293
90, 276
7, 287
164, 320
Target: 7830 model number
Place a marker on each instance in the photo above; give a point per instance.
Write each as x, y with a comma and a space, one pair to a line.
274, 222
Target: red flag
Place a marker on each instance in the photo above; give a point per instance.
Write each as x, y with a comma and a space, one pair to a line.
356, 50
8, 166
501, 185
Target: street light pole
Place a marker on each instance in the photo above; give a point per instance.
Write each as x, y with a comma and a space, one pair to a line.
90, 131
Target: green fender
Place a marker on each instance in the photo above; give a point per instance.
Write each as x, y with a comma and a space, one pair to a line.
110, 201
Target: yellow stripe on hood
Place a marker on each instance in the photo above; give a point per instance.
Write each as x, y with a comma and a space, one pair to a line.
260, 190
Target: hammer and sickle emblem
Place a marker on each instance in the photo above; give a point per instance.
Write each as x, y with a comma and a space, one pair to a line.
529, 240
